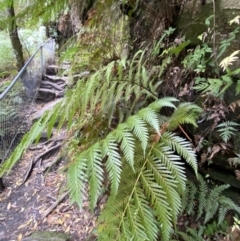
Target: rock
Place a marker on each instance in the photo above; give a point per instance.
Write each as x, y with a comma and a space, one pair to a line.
48, 236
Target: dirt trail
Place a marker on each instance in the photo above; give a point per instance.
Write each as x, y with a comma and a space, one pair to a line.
22, 206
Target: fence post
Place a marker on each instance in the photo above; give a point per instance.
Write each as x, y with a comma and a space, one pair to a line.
41, 53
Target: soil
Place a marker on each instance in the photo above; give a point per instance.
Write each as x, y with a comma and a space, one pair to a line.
23, 206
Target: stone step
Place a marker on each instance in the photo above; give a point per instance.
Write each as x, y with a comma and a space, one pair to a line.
55, 69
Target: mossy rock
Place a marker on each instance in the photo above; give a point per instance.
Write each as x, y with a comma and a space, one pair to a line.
48, 236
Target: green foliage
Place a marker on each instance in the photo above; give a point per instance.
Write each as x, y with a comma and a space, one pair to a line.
213, 228
227, 129
209, 232
149, 191
200, 61
140, 172
6, 53
192, 234
197, 60
211, 202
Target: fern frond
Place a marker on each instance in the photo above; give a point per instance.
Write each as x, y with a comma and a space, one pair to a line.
76, 180
95, 173
150, 117
127, 142
227, 130
203, 190
33, 135
229, 60
163, 102
192, 234
210, 202
145, 213
139, 128
164, 154
158, 200
189, 199
113, 163
169, 175
182, 147
226, 204
186, 113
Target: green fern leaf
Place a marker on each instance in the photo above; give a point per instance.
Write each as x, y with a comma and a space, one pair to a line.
126, 140
164, 102
227, 129
113, 162
95, 173
145, 213
203, 191
139, 128
165, 171
186, 113
76, 180
226, 204
150, 117
189, 199
160, 205
182, 147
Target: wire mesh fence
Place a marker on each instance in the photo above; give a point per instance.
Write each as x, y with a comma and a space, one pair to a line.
17, 100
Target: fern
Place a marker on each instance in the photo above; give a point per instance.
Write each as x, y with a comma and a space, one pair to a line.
211, 202
160, 180
125, 147
188, 200
227, 129
192, 234
229, 60
203, 190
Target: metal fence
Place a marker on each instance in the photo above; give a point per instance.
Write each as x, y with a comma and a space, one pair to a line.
17, 99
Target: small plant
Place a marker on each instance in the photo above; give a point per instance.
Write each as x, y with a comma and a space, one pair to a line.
227, 130
206, 203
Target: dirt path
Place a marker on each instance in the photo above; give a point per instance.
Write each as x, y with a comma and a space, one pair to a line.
22, 206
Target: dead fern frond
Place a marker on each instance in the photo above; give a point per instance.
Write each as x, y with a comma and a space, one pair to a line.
226, 62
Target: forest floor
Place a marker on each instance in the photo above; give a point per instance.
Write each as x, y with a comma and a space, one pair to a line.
24, 207
38, 201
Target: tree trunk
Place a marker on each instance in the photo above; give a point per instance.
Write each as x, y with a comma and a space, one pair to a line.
13, 33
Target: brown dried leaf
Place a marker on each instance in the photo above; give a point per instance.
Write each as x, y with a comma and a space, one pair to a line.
26, 224
234, 105
203, 158
20, 236
8, 206
215, 150
237, 173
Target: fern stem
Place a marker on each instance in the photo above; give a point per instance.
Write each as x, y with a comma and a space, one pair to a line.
147, 89
184, 132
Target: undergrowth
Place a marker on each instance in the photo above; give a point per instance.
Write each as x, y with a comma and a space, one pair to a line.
122, 139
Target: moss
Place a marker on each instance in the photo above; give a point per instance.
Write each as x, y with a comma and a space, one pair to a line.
48, 236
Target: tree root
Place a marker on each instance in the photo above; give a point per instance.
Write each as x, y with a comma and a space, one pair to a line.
51, 147
50, 209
